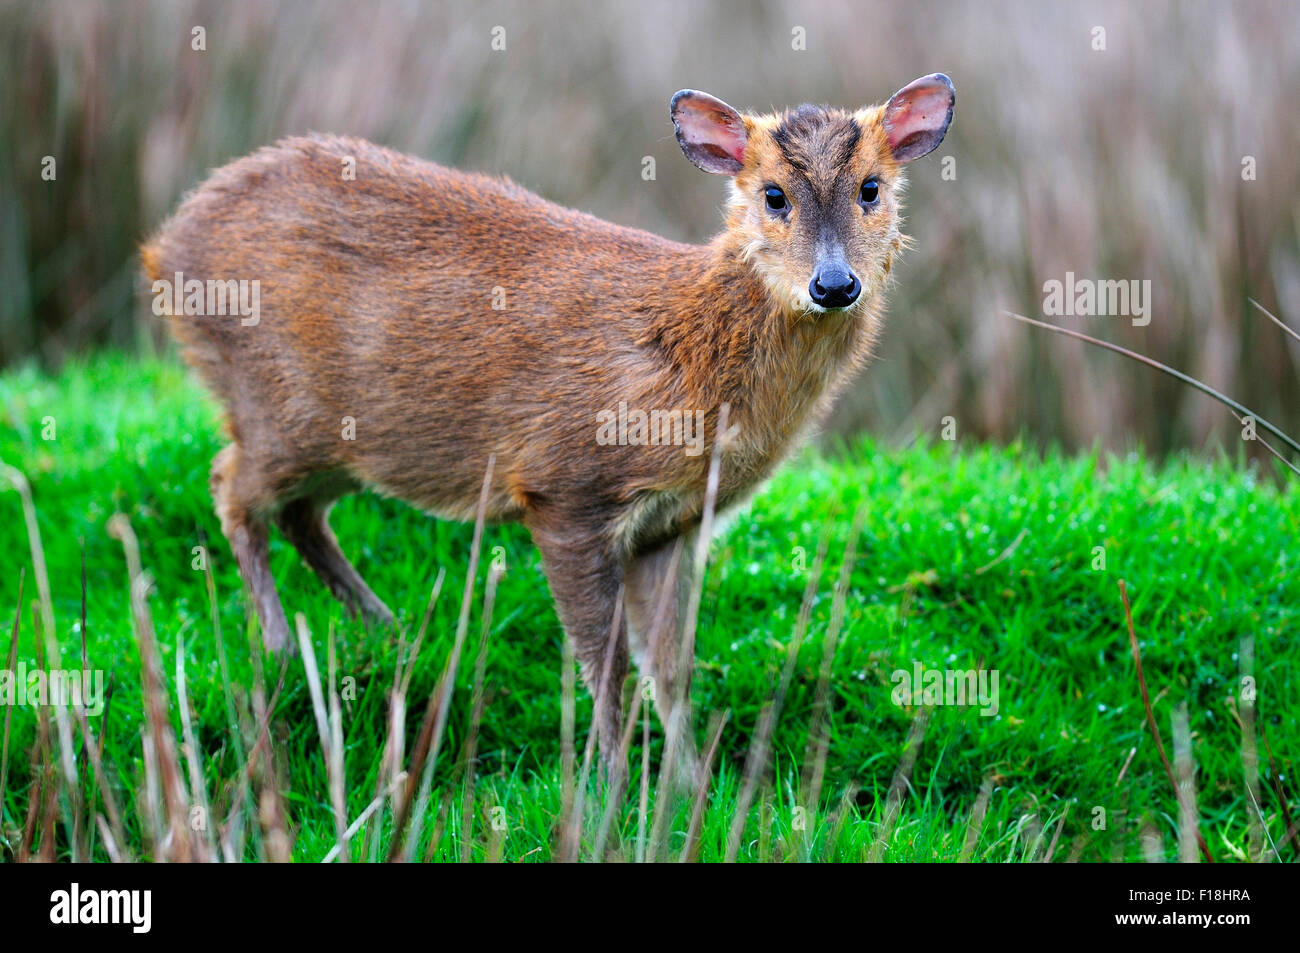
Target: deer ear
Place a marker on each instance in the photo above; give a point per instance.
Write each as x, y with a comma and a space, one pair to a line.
711, 133
917, 116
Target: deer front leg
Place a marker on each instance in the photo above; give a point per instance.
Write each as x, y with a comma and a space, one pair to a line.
658, 587
585, 577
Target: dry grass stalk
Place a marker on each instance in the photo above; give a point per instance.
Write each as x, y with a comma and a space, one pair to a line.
1151, 718
470, 756
900, 785
429, 742
756, 758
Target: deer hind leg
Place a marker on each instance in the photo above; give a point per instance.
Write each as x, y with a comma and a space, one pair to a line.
235, 491
305, 523
658, 586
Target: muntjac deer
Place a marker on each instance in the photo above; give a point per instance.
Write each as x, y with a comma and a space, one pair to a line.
408, 322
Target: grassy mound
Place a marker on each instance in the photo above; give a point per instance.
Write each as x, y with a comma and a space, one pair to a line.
969, 558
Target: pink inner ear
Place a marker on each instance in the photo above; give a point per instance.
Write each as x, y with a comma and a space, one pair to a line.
713, 127
917, 117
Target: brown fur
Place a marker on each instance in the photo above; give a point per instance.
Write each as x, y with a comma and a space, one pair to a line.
376, 304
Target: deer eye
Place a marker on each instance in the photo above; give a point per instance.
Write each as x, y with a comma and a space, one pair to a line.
870, 193
776, 200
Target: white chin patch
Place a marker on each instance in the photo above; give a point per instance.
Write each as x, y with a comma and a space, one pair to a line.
808, 304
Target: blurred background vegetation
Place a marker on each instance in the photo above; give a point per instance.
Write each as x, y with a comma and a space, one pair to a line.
1122, 163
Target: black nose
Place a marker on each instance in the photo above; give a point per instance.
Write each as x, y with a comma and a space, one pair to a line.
834, 287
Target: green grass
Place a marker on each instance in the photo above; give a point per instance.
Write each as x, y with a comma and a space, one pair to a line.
1206, 548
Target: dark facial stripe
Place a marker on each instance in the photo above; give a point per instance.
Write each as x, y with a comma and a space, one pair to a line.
843, 142
789, 148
